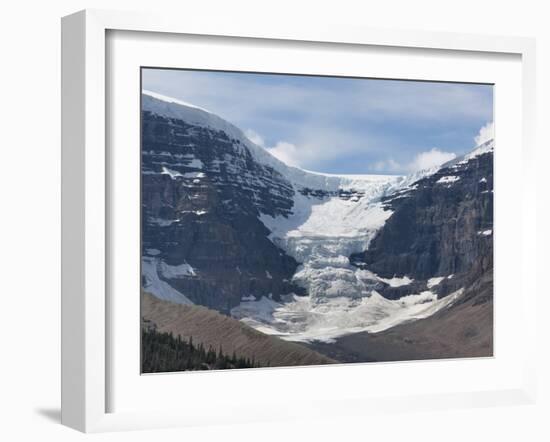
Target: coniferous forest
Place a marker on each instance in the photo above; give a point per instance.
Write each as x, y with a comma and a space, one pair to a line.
162, 352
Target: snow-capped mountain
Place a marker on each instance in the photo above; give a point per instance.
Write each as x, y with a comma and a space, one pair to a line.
300, 254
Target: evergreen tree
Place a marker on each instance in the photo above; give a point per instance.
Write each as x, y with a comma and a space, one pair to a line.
162, 352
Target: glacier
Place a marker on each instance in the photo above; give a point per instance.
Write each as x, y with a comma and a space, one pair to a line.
321, 234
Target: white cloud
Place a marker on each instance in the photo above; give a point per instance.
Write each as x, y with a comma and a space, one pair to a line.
486, 133
286, 152
430, 158
312, 147
424, 160
255, 137
283, 150
389, 165
322, 148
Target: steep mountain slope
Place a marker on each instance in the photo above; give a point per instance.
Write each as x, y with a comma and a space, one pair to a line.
202, 193
215, 330
443, 226
465, 329
439, 237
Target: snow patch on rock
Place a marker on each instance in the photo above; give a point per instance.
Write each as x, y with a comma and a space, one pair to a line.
448, 179
432, 282
171, 173
396, 281
174, 272
153, 284
485, 232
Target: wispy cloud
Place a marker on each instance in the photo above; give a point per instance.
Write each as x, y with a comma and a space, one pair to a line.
255, 137
388, 166
423, 160
431, 158
314, 147
286, 152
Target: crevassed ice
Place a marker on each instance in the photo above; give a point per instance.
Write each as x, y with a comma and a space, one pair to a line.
321, 234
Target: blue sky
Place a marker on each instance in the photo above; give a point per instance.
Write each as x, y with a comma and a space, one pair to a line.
341, 125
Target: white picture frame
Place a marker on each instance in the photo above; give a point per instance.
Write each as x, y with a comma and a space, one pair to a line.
86, 199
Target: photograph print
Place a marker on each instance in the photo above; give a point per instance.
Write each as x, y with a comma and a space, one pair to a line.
295, 220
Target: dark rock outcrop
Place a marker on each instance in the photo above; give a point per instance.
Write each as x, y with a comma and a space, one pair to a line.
442, 226
202, 193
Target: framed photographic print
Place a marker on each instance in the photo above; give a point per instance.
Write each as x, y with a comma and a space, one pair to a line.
251, 259
299, 220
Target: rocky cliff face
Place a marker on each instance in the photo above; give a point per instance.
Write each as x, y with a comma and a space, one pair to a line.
440, 226
202, 193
